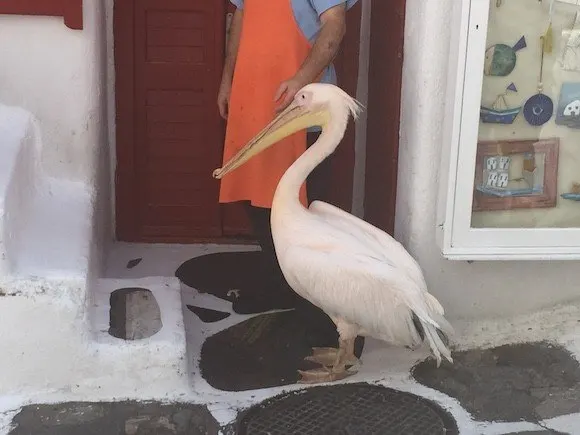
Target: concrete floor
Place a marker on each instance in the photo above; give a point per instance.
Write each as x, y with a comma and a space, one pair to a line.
516, 376
531, 385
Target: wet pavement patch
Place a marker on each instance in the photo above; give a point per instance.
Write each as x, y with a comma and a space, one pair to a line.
238, 277
134, 314
207, 315
349, 409
267, 350
529, 381
118, 418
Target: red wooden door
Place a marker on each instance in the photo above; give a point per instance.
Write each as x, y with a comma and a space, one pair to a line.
169, 57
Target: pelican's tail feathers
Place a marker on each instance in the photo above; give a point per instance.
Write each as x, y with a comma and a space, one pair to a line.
436, 337
433, 303
436, 344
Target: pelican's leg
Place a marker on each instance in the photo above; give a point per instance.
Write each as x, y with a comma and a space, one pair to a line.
350, 358
344, 356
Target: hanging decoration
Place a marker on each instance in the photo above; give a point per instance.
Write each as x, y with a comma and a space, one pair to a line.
499, 112
500, 59
539, 108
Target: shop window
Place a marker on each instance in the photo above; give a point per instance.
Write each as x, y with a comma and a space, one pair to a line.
514, 180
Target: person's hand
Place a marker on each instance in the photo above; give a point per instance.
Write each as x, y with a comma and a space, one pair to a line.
287, 91
223, 99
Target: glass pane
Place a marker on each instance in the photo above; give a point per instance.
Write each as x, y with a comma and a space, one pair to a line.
528, 155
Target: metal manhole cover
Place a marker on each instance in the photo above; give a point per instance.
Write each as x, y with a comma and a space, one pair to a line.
349, 409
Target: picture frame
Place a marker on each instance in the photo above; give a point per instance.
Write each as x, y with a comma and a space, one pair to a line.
516, 174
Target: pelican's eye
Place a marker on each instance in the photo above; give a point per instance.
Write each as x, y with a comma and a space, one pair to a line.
302, 98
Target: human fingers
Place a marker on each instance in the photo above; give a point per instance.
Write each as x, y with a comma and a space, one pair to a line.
281, 90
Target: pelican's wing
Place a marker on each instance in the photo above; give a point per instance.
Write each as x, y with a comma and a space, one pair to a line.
377, 241
367, 292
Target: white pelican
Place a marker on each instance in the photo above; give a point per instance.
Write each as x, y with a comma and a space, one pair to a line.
361, 277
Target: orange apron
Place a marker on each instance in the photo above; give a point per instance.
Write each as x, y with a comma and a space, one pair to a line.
272, 49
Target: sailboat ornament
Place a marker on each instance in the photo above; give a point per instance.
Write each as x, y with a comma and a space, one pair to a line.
499, 112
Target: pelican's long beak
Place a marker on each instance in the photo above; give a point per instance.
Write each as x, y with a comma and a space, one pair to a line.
294, 118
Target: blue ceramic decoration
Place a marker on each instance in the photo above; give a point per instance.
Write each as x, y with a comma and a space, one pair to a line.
571, 196
538, 109
568, 110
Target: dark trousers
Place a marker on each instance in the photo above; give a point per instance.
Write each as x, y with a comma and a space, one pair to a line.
317, 187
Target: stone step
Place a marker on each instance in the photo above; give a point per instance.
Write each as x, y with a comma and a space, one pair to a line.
142, 318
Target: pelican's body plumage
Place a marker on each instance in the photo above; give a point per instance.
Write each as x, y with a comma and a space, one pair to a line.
360, 276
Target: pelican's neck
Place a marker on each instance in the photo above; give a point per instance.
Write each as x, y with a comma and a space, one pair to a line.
288, 190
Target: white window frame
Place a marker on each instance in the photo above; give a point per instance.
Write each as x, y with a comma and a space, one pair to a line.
456, 238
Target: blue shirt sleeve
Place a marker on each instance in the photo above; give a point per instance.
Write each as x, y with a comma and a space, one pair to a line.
238, 3
322, 6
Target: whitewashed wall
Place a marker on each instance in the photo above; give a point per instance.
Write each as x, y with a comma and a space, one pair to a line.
59, 76
480, 289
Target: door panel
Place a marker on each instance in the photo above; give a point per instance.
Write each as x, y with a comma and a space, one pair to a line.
169, 57
180, 58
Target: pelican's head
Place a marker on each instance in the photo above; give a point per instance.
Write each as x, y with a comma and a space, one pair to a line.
316, 104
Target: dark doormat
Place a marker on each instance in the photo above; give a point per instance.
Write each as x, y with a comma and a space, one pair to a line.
114, 418
348, 409
239, 277
267, 350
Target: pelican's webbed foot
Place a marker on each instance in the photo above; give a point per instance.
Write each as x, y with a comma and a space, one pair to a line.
324, 374
330, 357
334, 363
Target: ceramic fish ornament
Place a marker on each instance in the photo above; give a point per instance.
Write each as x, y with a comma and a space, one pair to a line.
500, 59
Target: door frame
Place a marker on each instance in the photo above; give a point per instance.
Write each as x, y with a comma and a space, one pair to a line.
123, 14
384, 112
347, 70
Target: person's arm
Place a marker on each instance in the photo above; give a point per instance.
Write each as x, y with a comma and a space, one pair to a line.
323, 52
230, 62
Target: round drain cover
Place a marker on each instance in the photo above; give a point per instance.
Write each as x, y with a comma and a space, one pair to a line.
348, 409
